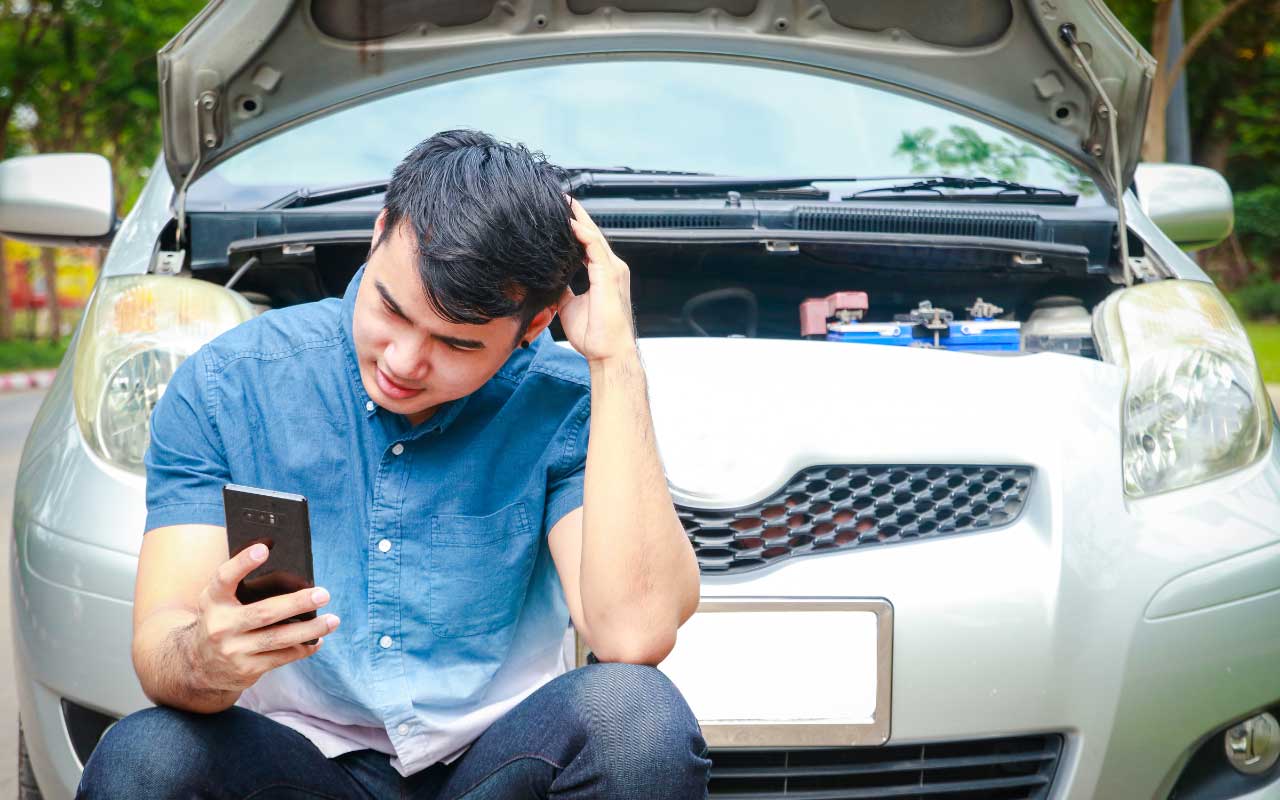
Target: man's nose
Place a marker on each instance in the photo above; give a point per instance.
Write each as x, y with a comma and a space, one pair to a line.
408, 360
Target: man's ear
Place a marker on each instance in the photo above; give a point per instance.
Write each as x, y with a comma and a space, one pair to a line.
540, 322
378, 225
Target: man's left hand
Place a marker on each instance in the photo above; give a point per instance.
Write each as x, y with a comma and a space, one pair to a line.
599, 322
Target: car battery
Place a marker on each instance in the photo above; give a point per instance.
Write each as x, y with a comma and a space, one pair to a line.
984, 335
840, 314
891, 333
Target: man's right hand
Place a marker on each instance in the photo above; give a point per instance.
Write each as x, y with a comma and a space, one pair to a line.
235, 644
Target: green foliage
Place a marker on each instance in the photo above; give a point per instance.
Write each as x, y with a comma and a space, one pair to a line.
80, 75
23, 354
966, 153
1258, 301
1266, 346
1258, 222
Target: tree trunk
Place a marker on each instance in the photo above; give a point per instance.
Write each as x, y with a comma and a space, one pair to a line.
1153, 142
6, 312
1215, 152
48, 259
1153, 138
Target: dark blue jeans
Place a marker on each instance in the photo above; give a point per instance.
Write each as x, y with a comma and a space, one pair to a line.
601, 731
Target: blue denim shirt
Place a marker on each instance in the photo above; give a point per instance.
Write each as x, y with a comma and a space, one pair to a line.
430, 539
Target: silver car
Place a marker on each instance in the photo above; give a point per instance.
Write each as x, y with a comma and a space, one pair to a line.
977, 462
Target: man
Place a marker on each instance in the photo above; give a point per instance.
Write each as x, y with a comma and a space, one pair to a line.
460, 515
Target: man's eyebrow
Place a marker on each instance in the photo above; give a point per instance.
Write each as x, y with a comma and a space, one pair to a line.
390, 301
465, 344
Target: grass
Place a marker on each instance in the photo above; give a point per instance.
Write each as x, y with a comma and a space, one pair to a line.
23, 354
1266, 344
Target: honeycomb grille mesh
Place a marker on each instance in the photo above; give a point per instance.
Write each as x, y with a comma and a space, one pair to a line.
842, 507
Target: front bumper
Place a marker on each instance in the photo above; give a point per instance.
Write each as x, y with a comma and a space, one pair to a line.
1133, 630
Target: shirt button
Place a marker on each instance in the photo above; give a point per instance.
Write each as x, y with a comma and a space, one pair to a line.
398, 448
385, 641
403, 729
384, 545
368, 406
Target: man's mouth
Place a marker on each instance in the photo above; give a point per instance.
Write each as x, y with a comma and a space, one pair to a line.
392, 389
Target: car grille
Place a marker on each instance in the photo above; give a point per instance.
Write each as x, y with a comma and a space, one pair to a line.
1016, 768
841, 507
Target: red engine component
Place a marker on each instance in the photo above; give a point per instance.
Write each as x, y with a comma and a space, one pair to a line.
815, 311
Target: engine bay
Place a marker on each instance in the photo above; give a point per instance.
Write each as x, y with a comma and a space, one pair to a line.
984, 294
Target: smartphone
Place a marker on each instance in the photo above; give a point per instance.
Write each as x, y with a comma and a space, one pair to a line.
280, 521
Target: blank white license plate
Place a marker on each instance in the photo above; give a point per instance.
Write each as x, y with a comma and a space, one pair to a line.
786, 672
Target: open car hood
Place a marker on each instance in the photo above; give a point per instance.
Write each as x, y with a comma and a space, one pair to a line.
242, 70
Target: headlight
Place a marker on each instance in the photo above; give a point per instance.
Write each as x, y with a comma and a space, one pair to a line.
1195, 407
136, 332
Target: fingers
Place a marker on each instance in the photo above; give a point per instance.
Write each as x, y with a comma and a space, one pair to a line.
585, 228
580, 215
282, 637
233, 570
274, 609
278, 658
598, 251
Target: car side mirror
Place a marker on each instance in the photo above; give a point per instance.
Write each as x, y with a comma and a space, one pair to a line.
57, 199
1191, 205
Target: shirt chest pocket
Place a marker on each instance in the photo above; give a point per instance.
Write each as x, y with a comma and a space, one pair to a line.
478, 570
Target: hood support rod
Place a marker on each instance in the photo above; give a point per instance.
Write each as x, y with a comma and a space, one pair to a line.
1067, 32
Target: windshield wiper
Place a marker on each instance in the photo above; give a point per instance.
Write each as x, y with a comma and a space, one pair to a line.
1006, 190
304, 196
629, 183
599, 182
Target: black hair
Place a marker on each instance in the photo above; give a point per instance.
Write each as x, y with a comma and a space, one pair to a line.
491, 224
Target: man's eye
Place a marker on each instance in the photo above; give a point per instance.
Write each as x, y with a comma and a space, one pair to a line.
461, 349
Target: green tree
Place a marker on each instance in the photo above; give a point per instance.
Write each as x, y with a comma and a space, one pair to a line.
80, 76
92, 84
965, 152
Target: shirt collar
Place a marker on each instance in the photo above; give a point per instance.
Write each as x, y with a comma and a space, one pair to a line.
349, 344
445, 414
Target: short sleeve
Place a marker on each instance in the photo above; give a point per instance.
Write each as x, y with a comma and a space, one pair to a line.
564, 489
185, 462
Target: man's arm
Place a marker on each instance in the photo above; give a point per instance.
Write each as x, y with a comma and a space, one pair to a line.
637, 579
173, 568
195, 647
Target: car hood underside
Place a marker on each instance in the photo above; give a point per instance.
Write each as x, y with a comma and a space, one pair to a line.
240, 71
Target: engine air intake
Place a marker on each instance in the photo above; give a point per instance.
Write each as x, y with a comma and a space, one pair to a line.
932, 221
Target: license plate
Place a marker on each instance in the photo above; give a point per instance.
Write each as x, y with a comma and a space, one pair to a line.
791, 672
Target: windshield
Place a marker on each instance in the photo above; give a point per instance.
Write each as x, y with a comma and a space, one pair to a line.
696, 115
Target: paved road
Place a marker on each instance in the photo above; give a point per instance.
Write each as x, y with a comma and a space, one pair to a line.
16, 412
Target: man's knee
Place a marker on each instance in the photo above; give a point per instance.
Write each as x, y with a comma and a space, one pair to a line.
150, 753
636, 716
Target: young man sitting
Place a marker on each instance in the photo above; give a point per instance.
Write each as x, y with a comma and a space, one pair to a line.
460, 515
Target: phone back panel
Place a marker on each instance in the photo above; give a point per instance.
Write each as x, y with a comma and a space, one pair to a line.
280, 521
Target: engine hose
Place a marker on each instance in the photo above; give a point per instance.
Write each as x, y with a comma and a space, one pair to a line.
699, 300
